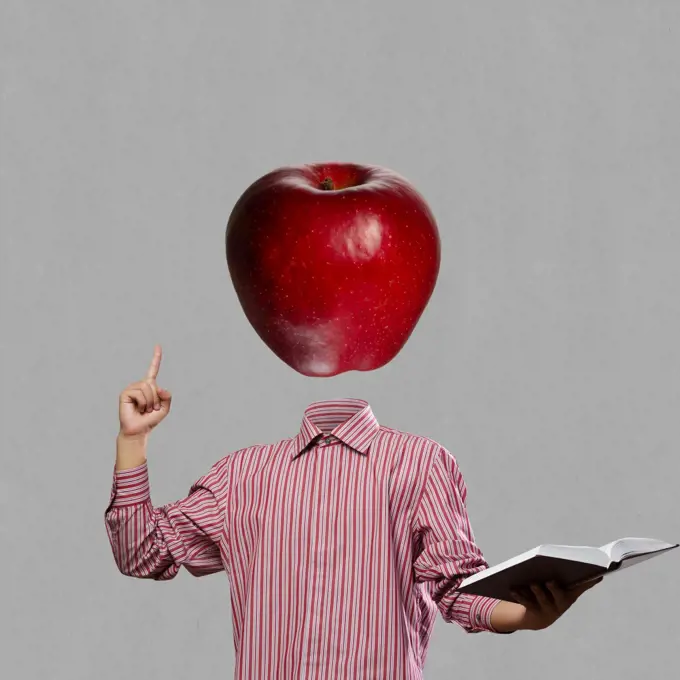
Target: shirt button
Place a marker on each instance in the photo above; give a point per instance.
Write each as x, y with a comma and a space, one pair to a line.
329, 440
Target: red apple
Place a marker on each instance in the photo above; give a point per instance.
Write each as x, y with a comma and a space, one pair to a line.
333, 264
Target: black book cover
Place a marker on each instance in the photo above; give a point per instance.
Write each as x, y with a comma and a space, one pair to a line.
538, 569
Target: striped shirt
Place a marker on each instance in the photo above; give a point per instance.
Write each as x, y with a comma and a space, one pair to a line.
341, 544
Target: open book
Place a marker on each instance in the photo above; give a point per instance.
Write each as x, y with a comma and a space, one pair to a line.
568, 565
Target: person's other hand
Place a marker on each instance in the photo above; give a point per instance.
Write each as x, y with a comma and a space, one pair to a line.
142, 405
545, 604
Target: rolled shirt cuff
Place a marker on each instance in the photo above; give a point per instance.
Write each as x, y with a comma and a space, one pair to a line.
481, 609
130, 487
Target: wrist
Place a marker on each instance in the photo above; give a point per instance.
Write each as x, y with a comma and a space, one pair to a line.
138, 438
130, 450
509, 617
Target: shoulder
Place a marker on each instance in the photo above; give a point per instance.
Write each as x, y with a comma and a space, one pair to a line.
430, 455
252, 459
220, 476
410, 443
413, 452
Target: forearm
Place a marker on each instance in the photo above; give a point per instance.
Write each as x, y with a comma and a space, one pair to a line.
132, 523
130, 451
135, 529
508, 617
154, 542
137, 543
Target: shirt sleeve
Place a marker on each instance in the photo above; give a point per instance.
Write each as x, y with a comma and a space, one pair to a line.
153, 543
445, 549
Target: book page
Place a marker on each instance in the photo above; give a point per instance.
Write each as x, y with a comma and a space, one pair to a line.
576, 553
636, 559
627, 548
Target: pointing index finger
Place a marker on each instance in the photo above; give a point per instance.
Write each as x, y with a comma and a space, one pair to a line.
155, 363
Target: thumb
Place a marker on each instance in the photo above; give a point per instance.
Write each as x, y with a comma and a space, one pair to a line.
164, 395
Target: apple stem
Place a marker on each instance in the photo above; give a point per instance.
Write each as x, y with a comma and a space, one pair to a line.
327, 184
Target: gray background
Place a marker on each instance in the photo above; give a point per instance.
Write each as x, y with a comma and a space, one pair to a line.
545, 136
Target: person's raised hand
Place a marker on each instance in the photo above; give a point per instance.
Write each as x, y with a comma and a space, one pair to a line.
545, 604
142, 405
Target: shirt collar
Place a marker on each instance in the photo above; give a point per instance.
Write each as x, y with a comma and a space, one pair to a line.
353, 424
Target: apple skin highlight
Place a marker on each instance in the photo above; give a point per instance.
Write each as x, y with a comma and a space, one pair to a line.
333, 264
